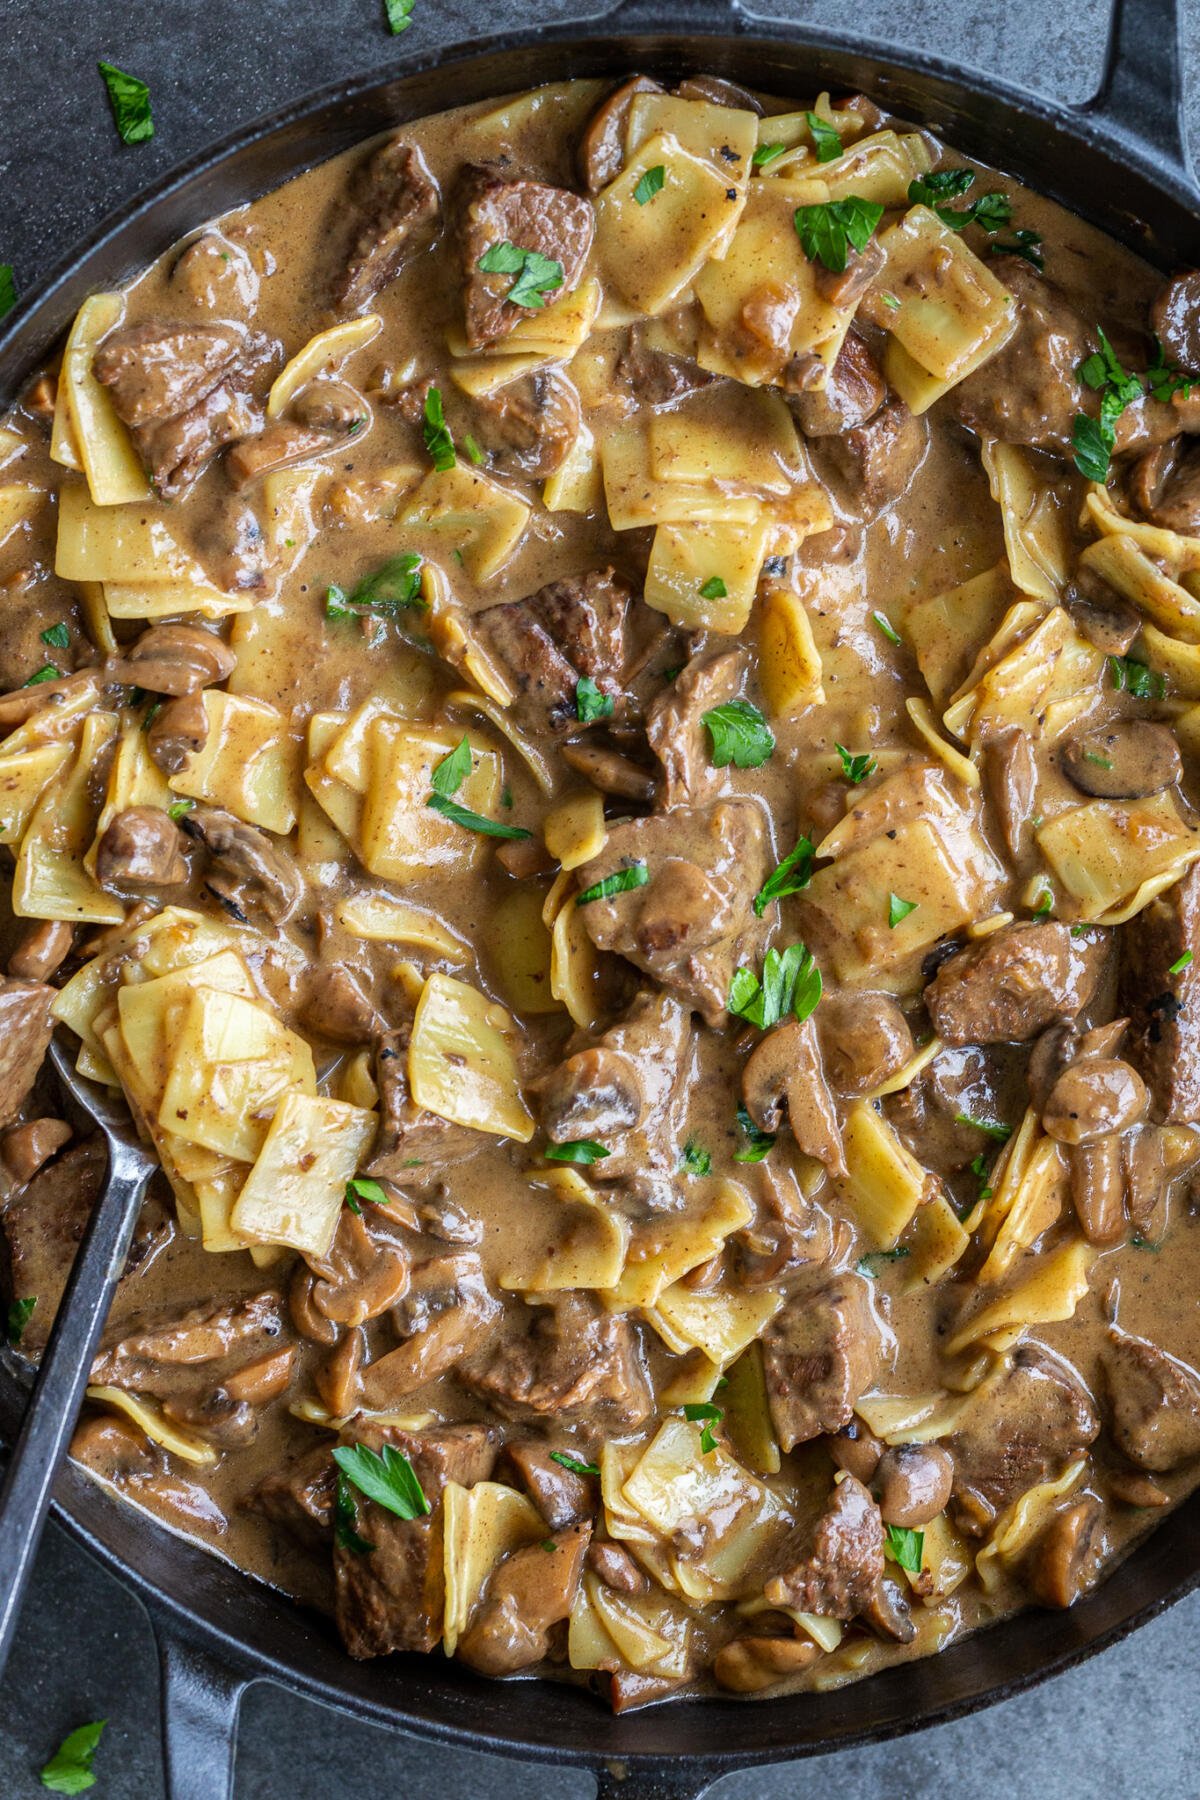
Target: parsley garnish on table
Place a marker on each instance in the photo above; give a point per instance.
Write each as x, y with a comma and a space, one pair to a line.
69, 1770
130, 102
398, 14
8, 289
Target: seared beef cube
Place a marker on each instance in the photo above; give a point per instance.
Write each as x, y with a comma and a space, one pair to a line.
569, 628
531, 1592
1175, 320
1012, 984
657, 378
1154, 1404
184, 391
559, 1495
1029, 392
691, 923
1165, 484
529, 215
279, 445
336, 1007
875, 462
412, 1145
577, 1364
934, 1113
854, 391
675, 727
447, 1312
300, 1497
142, 847
25, 1032
187, 1354
529, 425
394, 198
1022, 1426
1163, 1000
834, 1568
392, 1597
820, 1354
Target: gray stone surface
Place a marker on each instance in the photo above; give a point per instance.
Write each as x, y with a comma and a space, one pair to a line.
1121, 1728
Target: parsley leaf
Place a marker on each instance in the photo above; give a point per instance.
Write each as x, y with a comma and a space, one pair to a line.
826, 142
904, 1546
713, 589
993, 1128
1045, 906
473, 821
1093, 447
766, 153
877, 1260
398, 14
740, 735
621, 881
755, 1144
438, 441
69, 1770
19, 1315
705, 1413
1023, 243
590, 703
396, 584
1095, 439
449, 775
990, 211
576, 1150
650, 184
388, 1479
830, 231
1136, 678
130, 102
979, 1169
536, 275
47, 672
856, 768
179, 809
899, 909
56, 636
573, 1464
792, 874
363, 1188
1165, 382
940, 185
791, 983
8, 289
1181, 963
472, 449
883, 624
696, 1159
345, 1520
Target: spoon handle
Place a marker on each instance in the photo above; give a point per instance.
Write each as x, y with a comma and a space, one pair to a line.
61, 1378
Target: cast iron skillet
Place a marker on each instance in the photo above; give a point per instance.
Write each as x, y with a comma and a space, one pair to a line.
1119, 161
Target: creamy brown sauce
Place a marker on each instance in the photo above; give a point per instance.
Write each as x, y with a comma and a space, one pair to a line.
923, 834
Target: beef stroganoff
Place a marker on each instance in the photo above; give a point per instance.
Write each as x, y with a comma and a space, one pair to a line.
599, 703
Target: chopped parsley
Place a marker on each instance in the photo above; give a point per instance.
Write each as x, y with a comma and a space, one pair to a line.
19, 1314
830, 231
905, 1547
130, 102
57, 637
438, 441
590, 703
1045, 905
8, 289
536, 275
651, 183
884, 624
1165, 382
47, 672
394, 585
621, 881
345, 1520
755, 1145
1023, 243
826, 142
69, 1770
940, 185
703, 1412
791, 983
1181, 963
448, 776
993, 1128
767, 153
856, 768
1094, 756
872, 1264
1135, 678
179, 809
363, 1188
696, 1159
1095, 439
472, 449
576, 1150
740, 735
1138, 1242
388, 1478
792, 874
398, 14
713, 589
572, 1464
899, 909
981, 1172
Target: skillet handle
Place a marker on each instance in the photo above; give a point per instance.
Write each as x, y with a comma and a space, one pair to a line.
1141, 95
617, 1781
201, 1699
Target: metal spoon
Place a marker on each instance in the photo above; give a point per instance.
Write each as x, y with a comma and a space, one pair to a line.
63, 1374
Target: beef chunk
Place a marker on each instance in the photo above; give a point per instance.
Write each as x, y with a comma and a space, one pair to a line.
675, 724
575, 1364
1029, 392
834, 1568
412, 1145
1165, 484
184, 391
42, 948
1010, 776
876, 461
820, 1354
279, 445
601, 154
691, 924
853, 392
1023, 1426
1175, 319
1163, 1041
25, 1148
336, 1007
1008, 986
392, 1597
42, 1225
570, 628
529, 425
446, 1314
174, 1356
142, 847
25, 1032
300, 1497
248, 872
658, 377
493, 209
560, 1496
174, 659
957, 1085
531, 1592
394, 199
629, 1090
178, 731
1153, 1402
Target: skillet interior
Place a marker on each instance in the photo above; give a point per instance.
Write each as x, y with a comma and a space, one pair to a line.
1147, 207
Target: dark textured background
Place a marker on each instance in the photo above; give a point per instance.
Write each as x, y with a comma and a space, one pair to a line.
1121, 1728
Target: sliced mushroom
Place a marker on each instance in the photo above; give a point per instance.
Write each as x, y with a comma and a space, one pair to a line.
263, 1379
609, 771
601, 154
1124, 761
365, 1272
1093, 1098
41, 950
1060, 1562
750, 1664
249, 873
864, 1039
178, 732
784, 1074
888, 1614
142, 847
24, 1148
1010, 775
174, 659
913, 1483
335, 1007
719, 92
279, 445
339, 1378
856, 1450
617, 1569
1098, 1189
1100, 614
596, 1093
230, 1424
